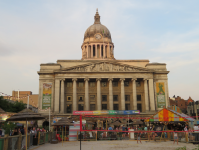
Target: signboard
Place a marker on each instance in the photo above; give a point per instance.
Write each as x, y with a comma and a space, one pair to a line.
107, 112
55, 119
47, 94
160, 92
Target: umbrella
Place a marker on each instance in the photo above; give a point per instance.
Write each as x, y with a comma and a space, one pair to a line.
25, 115
2, 111
63, 122
137, 122
116, 123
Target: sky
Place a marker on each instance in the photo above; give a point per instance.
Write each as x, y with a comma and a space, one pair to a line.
44, 31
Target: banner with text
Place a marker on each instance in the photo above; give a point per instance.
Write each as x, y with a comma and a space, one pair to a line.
160, 92
107, 112
47, 95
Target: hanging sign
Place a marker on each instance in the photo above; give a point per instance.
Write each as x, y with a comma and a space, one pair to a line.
160, 92
107, 112
47, 95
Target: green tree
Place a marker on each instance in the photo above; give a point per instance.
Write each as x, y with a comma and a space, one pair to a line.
8, 126
11, 106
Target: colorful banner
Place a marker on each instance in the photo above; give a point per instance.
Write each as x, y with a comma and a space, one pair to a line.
160, 92
47, 92
107, 112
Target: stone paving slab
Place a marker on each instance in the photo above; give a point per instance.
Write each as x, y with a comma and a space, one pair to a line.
114, 145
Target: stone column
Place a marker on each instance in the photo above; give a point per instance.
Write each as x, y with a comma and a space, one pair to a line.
99, 107
86, 94
122, 94
57, 91
146, 95
62, 96
87, 51
91, 51
110, 94
74, 94
108, 50
134, 94
151, 95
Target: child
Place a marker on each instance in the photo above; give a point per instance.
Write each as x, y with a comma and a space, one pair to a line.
175, 137
139, 137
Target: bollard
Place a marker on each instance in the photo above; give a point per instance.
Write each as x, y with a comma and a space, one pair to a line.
38, 138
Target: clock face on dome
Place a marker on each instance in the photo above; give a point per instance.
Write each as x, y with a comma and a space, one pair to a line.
98, 36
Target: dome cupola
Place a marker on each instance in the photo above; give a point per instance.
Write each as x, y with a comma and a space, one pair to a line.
97, 41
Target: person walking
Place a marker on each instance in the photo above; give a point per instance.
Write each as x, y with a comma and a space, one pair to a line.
139, 137
175, 137
186, 133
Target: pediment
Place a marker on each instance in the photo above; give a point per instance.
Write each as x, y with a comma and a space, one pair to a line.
105, 67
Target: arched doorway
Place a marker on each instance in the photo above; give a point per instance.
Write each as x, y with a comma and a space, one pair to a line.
45, 124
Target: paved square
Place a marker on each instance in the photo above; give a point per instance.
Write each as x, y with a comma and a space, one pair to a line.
114, 145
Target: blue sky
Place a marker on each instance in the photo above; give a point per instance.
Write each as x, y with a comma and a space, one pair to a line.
35, 32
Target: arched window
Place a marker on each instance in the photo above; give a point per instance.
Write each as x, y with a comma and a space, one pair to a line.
93, 50
102, 51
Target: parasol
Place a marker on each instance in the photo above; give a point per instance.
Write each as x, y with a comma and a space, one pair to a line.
137, 122
2, 112
25, 115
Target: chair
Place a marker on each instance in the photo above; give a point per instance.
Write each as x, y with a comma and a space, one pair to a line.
58, 137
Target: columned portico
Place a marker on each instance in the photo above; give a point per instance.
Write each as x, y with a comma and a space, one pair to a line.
122, 94
110, 94
99, 94
134, 94
74, 94
62, 96
86, 94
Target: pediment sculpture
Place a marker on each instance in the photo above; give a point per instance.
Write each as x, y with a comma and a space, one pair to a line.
105, 67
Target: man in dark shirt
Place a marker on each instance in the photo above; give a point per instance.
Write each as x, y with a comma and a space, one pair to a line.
123, 129
22, 131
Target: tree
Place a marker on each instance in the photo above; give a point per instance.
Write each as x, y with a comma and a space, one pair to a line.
8, 126
11, 106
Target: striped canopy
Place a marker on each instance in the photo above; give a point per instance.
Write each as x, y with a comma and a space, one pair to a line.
166, 115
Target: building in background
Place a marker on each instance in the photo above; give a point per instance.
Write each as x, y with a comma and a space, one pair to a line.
181, 103
100, 82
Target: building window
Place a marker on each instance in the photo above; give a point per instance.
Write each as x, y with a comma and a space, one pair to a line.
69, 98
81, 84
126, 83
115, 97
115, 84
92, 97
115, 107
139, 107
138, 97
80, 107
69, 84
138, 83
104, 98
103, 84
81, 98
93, 50
69, 108
104, 106
92, 84
127, 97
92, 106
127, 106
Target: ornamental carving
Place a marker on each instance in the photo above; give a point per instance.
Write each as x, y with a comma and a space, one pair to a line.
106, 67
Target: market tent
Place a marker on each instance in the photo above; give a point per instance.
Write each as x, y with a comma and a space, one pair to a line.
165, 115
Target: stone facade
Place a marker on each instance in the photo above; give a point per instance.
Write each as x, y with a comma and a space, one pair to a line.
100, 82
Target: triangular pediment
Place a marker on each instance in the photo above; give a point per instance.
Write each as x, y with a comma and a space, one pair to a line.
105, 67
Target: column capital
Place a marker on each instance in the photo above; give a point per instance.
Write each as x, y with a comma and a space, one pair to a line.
86, 79
62, 79
122, 79
74, 79
110, 79
133, 79
98, 79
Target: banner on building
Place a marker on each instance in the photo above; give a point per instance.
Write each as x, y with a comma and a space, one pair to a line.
160, 92
107, 112
47, 95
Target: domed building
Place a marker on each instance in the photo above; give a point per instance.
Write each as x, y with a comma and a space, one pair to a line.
99, 84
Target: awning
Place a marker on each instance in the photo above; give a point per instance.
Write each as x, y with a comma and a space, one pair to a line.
167, 115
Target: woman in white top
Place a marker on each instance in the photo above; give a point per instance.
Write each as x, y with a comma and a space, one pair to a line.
175, 137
